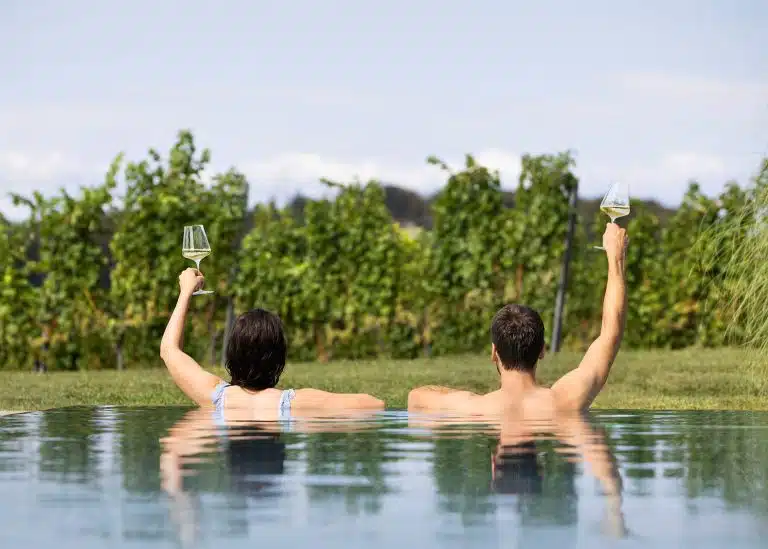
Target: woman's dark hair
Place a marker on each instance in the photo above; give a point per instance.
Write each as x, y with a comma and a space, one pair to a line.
256, 350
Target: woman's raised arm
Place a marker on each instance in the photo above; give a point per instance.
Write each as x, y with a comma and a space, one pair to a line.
190, 377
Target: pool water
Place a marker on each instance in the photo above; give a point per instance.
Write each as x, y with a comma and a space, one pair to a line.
180, 477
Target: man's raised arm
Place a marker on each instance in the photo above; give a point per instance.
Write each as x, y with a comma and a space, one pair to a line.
579, 387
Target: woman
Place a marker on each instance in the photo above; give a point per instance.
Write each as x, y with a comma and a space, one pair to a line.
255, 358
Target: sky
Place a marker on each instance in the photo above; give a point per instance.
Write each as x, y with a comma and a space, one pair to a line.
649, 93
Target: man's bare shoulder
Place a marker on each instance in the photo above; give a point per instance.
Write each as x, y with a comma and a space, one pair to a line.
436, 398
542, 401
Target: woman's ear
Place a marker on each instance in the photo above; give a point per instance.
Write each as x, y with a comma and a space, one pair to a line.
543, 352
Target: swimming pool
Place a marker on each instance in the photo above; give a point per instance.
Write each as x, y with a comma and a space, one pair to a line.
170, 477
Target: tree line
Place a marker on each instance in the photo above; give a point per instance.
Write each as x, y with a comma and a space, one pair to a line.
89, 281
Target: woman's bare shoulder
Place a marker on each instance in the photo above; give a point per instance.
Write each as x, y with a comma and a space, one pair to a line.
317, 398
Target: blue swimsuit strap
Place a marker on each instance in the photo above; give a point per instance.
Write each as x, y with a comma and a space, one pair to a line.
284, 408
217, 396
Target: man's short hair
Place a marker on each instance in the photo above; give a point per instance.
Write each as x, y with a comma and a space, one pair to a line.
517, 332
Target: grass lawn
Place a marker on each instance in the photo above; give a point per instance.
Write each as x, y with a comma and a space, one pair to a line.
690, 379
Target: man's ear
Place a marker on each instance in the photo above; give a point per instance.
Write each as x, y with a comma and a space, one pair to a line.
495, 358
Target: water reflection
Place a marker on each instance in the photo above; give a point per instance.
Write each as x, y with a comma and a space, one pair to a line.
201, 455
536, 461
103, 477
244, 458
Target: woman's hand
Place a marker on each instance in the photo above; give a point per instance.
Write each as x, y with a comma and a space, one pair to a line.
190, 280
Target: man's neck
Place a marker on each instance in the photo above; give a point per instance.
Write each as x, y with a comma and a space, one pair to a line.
517, 382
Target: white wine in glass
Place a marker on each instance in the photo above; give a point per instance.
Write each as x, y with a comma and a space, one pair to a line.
196, 247
615, 203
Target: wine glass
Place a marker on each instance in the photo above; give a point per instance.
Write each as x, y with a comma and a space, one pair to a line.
615, 203
195, 246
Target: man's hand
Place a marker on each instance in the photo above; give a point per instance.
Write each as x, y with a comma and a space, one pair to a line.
190, 280
615, 242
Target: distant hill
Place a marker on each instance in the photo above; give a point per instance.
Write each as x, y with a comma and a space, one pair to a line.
409, 208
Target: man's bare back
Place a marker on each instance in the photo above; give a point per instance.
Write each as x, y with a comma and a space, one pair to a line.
517, 334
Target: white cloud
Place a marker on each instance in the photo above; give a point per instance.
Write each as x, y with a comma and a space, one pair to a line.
288, 173
25, 122
686, 88
279, 177
664, 179
18, 168
284, 175
25, 172
693, 165
667, 178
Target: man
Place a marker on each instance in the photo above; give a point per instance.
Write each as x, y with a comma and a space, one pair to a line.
517, 335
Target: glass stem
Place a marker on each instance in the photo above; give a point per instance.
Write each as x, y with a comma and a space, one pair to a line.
197, 262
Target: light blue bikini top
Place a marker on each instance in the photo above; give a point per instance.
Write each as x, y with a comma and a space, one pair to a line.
283, 409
